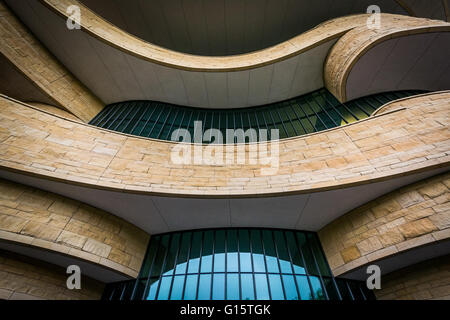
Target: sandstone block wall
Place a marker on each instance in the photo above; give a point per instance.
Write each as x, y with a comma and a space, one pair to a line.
422, 281
404, 219
31, 58
23, 278
414, 138
37, 218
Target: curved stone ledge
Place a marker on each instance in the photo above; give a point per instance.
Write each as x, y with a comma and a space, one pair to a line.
409, 218
397, 143
396, 50
34, 61
48, 221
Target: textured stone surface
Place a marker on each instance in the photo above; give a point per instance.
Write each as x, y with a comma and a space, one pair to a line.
50, 221
422, 281
42, 144
351, 46
389, 225
20, 47
24, 278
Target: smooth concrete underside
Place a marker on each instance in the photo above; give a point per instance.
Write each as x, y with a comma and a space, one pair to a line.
410, 62
157, 214
218, 27
15, 84
115, 76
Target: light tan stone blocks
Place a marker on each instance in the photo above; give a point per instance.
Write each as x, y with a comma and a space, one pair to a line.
407, 218
422, 281
26, 53
50, 221
38, 143
23, 278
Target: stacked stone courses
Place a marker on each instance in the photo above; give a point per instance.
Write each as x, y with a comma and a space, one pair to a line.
45, 220
408, 218
23, 278
424, 281
413, 135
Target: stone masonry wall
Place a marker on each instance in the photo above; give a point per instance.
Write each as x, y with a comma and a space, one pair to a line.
422, 281
406, 218
50, 221
27, 54
414, 138
23, 278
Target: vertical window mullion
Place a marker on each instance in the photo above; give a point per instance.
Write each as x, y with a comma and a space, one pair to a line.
278, 261
265, 264
325, 111
124, 117
304, 263
292, 264
163, 266
200, 264
252, 262
151, 269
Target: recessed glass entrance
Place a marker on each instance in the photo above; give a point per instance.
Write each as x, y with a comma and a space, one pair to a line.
233, 264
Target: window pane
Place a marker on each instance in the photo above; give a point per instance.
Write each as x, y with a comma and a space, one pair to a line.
171, 255
247, 287
317, 288
191, 287
164, 289
232, 248
232, 286
297, 260
244, 251
206, 263
183, 254
271, 260
285, 261
276, 289
219, 286
262, 291
153, 287
303, 287
258, 257
194, 256
204, 287
290, 287
177, 288
219, 251
310, 264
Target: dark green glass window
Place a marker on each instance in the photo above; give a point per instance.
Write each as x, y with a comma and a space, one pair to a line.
236, 264
309, 113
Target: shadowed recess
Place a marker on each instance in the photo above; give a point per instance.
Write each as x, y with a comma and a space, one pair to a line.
313, 112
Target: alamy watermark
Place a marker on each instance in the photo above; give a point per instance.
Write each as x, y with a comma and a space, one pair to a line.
74, 20
74, 280
374, 279
251, 146
374, 20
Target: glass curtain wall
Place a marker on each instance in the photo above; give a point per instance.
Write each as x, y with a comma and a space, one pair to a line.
309, 113
236, 264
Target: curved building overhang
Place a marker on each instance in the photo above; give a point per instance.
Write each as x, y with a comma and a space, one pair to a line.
132, 69
108, 170
363, 63
219, 28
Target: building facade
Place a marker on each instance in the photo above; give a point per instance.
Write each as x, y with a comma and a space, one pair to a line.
238, 150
